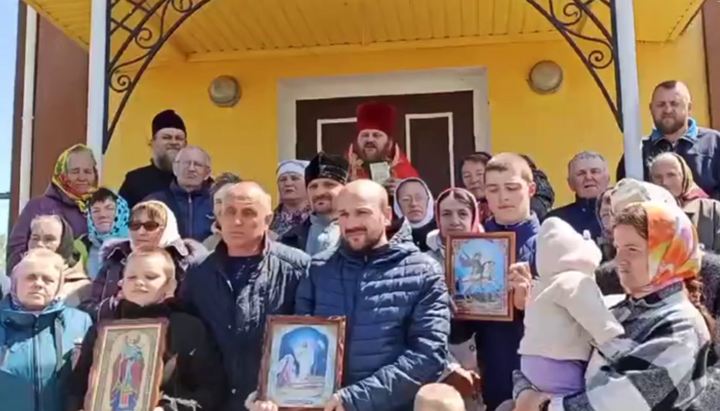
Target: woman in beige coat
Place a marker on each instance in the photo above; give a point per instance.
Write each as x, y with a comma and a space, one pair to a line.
669, 170
52, 232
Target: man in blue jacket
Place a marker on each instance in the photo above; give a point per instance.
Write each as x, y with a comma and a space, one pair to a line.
394, 298
509, 186
189, 196
588, 176
245, 279
676, 131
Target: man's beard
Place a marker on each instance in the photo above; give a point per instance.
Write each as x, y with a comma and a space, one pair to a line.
164, 162
378, 153
367, 247
671, 129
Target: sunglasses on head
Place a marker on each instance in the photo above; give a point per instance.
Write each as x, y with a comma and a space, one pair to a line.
148, 225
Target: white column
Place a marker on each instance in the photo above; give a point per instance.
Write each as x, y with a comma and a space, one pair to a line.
629, 89
96, 80
28, 110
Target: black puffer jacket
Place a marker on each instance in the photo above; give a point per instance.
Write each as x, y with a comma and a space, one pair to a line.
193, 377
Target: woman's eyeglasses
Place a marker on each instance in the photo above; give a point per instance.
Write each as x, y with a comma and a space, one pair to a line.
147, 225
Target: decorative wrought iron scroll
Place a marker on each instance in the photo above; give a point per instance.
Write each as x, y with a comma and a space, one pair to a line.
597, 53
144, 27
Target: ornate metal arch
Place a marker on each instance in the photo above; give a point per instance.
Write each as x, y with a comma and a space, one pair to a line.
146, 26
138, 29
596, 53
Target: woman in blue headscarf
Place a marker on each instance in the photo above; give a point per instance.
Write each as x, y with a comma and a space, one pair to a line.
108, 216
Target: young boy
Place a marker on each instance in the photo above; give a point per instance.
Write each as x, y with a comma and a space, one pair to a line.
192, 376
438, 397
509, 186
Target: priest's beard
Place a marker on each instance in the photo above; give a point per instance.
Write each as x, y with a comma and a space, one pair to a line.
164, 162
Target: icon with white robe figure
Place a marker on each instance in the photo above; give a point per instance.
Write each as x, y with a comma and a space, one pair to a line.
303, 369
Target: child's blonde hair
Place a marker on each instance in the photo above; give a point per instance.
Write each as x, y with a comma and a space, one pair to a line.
510, 162
438, 397
168, 262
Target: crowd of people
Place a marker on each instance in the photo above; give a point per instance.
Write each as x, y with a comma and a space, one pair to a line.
615, 295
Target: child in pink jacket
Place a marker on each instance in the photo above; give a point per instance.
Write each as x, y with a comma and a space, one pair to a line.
566, 315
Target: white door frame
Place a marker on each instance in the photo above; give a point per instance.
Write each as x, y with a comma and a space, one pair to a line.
443, 80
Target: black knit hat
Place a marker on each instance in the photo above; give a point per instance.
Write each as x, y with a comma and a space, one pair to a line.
330, 166
167, 119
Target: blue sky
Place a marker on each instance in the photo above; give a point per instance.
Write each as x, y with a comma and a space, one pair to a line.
8, 49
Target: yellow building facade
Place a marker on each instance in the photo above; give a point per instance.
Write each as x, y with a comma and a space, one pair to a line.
248, 138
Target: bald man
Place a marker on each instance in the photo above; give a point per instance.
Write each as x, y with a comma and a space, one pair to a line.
245, 279
438, 397
394, 299
676, 131
189, 195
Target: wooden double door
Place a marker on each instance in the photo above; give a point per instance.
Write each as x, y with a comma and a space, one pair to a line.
434, 130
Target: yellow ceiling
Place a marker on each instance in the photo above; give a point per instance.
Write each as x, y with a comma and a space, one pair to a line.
225, 29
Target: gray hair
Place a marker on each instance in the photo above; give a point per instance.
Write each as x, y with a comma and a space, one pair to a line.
584, 155
208, 160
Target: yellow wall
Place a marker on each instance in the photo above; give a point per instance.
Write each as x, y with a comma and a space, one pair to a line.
549, 128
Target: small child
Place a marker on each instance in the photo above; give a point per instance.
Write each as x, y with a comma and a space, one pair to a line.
566, 316
438, 397
193, 377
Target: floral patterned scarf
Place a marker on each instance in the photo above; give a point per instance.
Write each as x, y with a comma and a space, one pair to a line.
61, 182
120, 224
673, 248
284, 220
690, 190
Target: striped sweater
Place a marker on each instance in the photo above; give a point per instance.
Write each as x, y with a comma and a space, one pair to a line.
664, 370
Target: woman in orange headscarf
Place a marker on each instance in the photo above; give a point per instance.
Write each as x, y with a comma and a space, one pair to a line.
665, 367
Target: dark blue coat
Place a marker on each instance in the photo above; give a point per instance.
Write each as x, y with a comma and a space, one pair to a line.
236, 318
194, 211
581, 215
498, 342
398, 320
699, 147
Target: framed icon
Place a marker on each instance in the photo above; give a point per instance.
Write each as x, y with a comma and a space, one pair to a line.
127, 365
476, 271
302, 361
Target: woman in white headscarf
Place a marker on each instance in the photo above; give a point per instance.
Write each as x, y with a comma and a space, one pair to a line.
414, 202
293, 208
152, 225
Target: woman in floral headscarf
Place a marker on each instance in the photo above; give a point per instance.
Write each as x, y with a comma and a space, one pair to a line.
73, 182
665, 368
108, 217
670, 170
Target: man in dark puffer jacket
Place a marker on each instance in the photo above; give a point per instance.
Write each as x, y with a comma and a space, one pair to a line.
394, 298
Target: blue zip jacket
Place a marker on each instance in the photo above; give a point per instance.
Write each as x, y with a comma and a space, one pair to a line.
498, 342
581, 215
35, 361
398, 319
194, 211
237, 318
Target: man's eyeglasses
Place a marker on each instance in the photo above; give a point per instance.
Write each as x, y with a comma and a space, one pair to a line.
193, 164
147, 225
